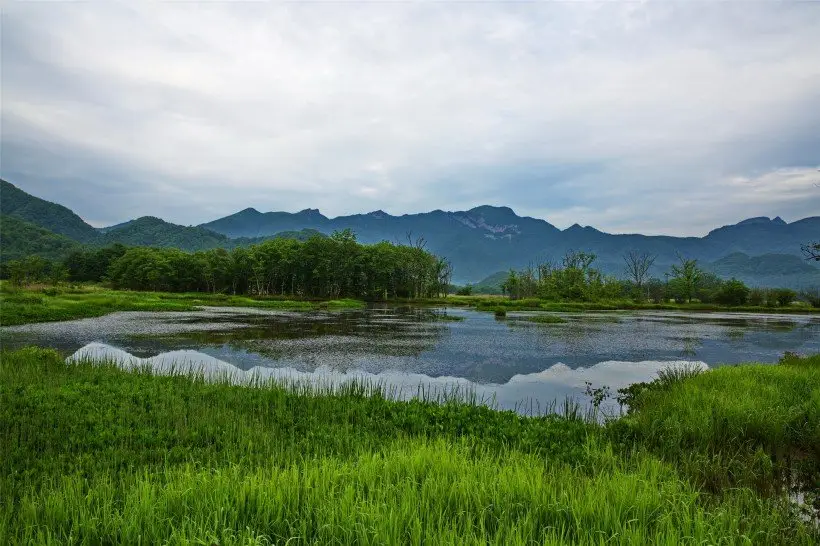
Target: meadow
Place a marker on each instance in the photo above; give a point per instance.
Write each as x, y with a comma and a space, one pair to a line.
55, 303
93, 454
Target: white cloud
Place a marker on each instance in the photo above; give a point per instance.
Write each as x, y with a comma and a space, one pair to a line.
411, 107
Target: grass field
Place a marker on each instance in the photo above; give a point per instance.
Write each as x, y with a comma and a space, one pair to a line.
46, 304
92, 454
734, 426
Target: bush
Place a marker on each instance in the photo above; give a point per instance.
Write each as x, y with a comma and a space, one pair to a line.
757, 297
811, 297
465, 291
784, 296
733, 292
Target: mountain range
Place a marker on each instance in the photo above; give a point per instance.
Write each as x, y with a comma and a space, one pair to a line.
478, 242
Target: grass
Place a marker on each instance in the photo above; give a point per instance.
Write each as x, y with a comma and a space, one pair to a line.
734, 426
546, 319
93, 454
495, 303
47, 304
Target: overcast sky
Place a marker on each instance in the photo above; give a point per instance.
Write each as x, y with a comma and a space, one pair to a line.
658, 118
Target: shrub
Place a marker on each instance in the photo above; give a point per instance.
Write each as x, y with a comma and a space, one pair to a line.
465, 291
757, 297
733, 292
784, 296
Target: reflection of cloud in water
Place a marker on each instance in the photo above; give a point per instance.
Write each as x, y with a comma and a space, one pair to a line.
522, 391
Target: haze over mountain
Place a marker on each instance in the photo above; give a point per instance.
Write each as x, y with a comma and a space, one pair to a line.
478, 242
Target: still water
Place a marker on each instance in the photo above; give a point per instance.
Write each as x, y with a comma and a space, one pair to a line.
511, 363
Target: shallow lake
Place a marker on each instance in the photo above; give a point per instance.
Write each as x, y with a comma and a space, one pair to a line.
512, 363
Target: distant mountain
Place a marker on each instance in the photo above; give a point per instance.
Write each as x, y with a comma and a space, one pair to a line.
478, 242
784, 270
485, 239
491, 284
19, 239
152, 231
51, 216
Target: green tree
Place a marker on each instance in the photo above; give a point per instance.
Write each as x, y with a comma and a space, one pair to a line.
784, 296
733, 292
686, 277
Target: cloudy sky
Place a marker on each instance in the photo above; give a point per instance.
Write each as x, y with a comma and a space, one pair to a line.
652, 117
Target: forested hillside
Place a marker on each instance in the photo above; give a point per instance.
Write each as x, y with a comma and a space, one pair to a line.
19, 239
152, 231
51, 216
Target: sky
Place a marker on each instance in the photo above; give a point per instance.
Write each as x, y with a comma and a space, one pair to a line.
652, 117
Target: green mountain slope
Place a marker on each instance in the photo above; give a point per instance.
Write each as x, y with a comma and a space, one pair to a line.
491, 284
152, 231
784, 270
51, 216
19, 238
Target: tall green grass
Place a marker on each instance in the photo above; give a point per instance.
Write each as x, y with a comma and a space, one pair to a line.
752, 426
412, 492
93, 454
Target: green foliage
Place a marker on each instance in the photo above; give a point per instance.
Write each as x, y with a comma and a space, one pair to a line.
92, 264
784, 296
321, 267
93, 454
812, 297
465, 291
20, 239
733, 292
574, 280
35, 269
686, 278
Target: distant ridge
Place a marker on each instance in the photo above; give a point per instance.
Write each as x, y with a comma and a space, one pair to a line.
42, 213
478, 242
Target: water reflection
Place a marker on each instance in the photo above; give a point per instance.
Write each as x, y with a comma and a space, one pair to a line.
413, 340
525, 393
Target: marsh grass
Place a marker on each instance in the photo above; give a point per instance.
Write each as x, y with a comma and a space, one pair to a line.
546, 319
411, 492
492, 303
755, 426
41, 304
91, 453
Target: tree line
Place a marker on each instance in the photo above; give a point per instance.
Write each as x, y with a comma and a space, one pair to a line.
575, 278
320, 267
